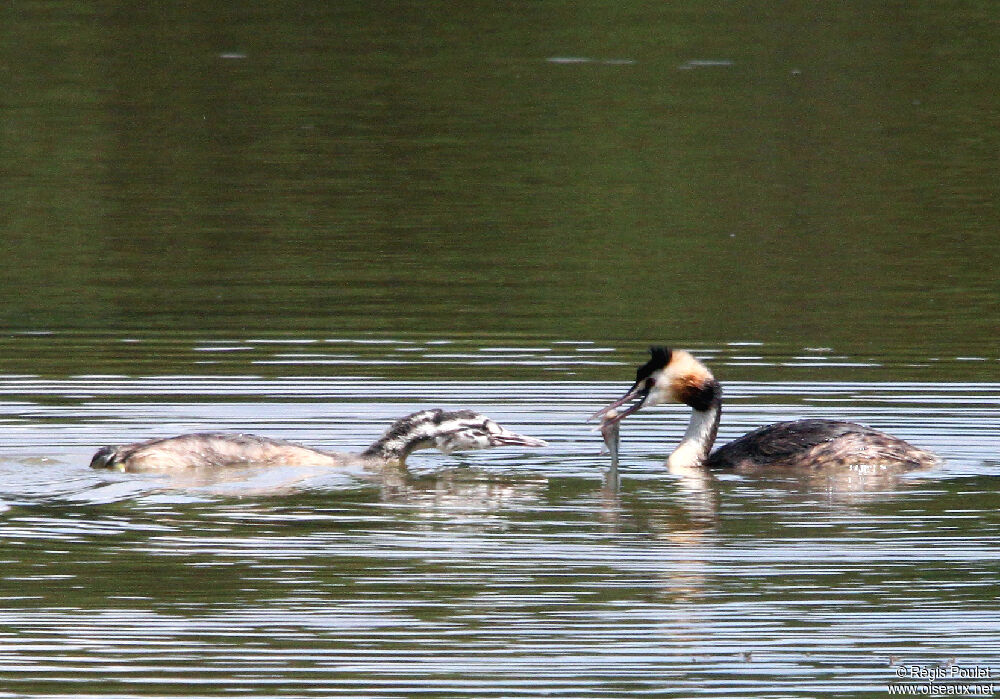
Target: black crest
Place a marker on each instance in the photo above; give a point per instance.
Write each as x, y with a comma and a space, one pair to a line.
660, 357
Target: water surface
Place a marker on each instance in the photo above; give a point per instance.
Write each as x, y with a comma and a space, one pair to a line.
503, 572
306, 219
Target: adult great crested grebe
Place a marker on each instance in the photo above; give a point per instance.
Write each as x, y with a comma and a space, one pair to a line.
458, 430
674, 376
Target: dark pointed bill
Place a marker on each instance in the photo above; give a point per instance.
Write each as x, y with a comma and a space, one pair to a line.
637, 393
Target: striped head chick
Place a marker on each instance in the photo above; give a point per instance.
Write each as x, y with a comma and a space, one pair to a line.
447, 431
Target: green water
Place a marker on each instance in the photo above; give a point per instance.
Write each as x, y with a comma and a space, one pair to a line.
305, 219
813, 172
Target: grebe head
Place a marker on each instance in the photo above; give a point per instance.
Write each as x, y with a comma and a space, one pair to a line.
670, 376
464, 430
449, 431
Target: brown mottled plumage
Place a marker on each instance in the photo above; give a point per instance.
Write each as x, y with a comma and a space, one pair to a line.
817, 444
212, 449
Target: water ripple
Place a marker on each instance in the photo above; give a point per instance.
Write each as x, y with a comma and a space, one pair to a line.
494, 573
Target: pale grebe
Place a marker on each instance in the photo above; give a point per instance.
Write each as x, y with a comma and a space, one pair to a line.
677, 377
449, 431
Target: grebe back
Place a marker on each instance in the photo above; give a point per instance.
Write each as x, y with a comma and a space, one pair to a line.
675, 376
448, 431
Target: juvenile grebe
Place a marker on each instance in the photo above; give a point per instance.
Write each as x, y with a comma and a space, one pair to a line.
449, 431
677, 377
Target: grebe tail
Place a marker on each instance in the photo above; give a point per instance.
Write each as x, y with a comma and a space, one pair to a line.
675, 376
448, 431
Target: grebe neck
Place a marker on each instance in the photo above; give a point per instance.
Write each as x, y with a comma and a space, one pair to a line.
407, 434
697, 443
396, 447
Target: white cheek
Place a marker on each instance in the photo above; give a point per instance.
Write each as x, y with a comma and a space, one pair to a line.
656, 396
463, 442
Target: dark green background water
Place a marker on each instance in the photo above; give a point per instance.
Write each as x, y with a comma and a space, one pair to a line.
306, 219
806, 172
